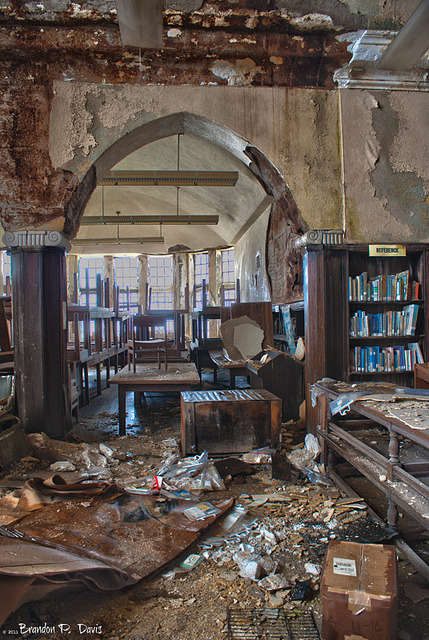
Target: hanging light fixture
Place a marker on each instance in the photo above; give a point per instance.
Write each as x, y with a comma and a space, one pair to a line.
170, 178
172, 219
118, 240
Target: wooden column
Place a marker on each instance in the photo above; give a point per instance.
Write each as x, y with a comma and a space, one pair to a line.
39, 308
109, 274
324, 291
180, 280
215, 262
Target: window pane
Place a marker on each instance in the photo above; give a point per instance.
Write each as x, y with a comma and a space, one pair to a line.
127, 272
161, 282
229, 297
127, 276
95, 267
201, 268
228, 266
228, 277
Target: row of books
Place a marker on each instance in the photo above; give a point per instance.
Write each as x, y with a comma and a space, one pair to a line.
390, 323
398, 286
385, 359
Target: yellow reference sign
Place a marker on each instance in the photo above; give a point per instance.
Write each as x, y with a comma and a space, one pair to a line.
387, 250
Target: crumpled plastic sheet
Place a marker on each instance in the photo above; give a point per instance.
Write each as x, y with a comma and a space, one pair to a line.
315, 393
342, 404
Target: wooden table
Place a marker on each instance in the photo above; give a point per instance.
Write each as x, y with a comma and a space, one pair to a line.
234, 368
180, 376
404, 481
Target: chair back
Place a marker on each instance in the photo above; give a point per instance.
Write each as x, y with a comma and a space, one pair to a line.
140, 343
149, 322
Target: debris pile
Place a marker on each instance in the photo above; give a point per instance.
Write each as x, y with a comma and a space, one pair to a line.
265, 545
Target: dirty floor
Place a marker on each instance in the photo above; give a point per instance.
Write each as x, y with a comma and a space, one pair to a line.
288, 524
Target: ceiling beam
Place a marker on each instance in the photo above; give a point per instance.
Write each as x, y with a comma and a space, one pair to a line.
140, 23
153, 219
170, 178
411, 43
118, 241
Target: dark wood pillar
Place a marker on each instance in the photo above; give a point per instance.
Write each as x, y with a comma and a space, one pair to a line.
39, 322
323, 299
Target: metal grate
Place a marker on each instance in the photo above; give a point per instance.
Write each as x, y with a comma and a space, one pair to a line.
303, 628
269, 624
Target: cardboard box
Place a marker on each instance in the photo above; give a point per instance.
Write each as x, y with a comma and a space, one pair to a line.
359, 592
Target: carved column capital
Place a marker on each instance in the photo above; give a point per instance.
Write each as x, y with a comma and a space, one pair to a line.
35, 239
327, 237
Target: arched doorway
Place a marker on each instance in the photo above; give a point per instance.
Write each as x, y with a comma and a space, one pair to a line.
285, 221
43, 399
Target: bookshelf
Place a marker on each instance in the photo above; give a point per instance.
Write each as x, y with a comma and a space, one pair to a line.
386, 315
366, 318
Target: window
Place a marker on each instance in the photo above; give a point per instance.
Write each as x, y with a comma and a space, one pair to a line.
228, 278
6, 270
201, 272
127, 279
161, 282
89, 269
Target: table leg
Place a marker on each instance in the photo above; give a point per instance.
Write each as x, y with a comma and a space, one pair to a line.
86, 383
392, 512
122, 395
231, 379
393, 453
322, 424
98, 370
198, 363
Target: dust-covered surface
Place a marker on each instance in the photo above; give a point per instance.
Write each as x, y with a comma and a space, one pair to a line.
282, 530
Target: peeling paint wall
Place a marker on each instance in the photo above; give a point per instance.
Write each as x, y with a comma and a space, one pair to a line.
296, 130
263, 69
385, 165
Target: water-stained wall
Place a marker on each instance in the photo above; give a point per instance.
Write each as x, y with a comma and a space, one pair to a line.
264, 70
385, 165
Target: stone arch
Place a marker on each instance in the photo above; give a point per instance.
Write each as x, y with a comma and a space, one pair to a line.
285, 222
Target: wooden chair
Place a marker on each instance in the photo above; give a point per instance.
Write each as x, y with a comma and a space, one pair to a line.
143, 345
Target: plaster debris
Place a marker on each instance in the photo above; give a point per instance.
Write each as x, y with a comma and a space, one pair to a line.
313, 21
239, 74
174, 33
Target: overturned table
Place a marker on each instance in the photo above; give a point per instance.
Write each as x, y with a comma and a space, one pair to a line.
180, 376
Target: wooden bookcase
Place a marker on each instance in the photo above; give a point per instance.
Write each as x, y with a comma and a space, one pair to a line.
330, 349
387, 357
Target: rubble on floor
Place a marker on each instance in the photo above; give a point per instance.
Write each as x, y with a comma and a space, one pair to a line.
264, 554
267, 550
